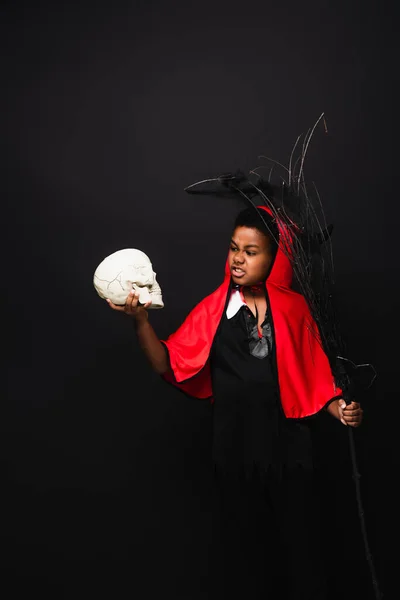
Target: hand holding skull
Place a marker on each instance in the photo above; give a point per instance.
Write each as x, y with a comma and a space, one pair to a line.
132, 307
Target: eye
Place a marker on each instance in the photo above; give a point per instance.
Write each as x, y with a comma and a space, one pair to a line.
251, 253
233, 248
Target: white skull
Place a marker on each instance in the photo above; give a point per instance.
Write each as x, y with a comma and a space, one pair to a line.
123, 271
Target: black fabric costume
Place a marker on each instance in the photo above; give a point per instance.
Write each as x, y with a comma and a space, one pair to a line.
251, 433
262, 458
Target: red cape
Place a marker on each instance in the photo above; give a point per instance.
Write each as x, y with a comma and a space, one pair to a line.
305, 379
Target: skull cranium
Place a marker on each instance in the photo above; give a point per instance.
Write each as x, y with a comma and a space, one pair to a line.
123, 271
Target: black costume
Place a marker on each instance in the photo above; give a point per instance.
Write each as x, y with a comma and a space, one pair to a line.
251, 432
260, 455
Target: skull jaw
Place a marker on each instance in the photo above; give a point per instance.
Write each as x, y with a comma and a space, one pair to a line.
149, 295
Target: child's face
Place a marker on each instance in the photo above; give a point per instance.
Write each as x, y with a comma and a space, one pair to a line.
250, 256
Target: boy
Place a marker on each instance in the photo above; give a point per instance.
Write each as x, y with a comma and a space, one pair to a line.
251, 348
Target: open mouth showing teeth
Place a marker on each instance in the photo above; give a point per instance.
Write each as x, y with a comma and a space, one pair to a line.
237, 270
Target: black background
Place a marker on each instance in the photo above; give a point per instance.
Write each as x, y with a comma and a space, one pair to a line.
108, 112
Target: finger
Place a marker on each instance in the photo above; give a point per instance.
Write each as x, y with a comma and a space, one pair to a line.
351, 420
350, 413
353, 405
131, 301
354, 421
349, 410
115, 306
354, 416
355, 424
130, 297
149, 303
341, 405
